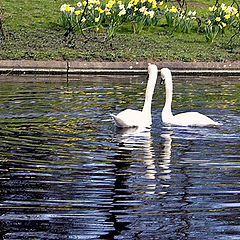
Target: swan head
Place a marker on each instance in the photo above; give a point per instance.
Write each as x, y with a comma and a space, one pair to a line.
152, 68
165, 75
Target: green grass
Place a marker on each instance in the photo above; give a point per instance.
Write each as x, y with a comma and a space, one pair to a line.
32, 32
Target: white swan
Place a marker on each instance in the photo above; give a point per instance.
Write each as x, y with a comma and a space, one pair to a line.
135, 118
182, 119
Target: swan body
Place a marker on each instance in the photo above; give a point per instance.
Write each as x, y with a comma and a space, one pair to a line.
135, 118
182, 119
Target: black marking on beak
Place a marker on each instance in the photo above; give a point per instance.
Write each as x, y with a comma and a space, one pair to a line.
162, 81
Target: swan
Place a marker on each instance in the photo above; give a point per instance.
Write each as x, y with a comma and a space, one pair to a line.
135, 118
182, 119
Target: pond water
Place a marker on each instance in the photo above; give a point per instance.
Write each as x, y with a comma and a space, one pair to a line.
66, 172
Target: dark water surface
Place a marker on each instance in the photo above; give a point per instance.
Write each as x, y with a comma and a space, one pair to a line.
66, 172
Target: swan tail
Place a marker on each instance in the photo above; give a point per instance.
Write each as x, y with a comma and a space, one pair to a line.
119, 122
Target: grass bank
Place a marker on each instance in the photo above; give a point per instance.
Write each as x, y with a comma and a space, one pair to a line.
32, 31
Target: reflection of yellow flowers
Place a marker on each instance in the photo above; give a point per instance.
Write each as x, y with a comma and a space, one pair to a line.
218, 19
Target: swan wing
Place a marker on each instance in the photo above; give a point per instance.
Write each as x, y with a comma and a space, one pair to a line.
130, 118
193, 119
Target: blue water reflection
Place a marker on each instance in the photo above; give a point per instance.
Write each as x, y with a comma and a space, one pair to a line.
66, 172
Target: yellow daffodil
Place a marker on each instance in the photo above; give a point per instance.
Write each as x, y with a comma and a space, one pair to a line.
228, 10
173, 9
218, 19
77, 13
135, 2
97, 29
68, 8
224, 24
212, 9
84, 3
161, 3
227, 16
97, 19
154, 4
83, 19
209, 22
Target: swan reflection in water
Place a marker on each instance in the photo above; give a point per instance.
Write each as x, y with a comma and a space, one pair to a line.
137, 143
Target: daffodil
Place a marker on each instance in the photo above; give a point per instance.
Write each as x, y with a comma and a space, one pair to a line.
72, 9
77, 13
97, 19
223, 7
83, 19
90, 7
68, 8
154, 4
151, 14
79, 4
227, 16
129, 5
228, 10
234, 11
224, 24
142, 9
135, 2
212, 9
173, 9
209, 22
161, 3
218, 19
122, 12
63, 8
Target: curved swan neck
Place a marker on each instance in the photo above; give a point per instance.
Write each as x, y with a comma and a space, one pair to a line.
149, 92
169, 91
